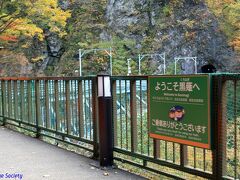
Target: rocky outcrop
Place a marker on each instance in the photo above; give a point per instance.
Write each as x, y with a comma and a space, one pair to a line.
180, 30
64, 4
51, 54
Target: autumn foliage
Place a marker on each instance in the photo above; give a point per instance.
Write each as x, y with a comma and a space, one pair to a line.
30, 17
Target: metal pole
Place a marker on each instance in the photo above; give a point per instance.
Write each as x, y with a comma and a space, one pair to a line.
164, 64
110, 54
175, 66
195, 59
129, 67
139, 64
80, 62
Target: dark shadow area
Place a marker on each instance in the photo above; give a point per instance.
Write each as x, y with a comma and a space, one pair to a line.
208, 68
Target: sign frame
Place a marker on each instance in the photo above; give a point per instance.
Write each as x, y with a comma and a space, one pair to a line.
207, 145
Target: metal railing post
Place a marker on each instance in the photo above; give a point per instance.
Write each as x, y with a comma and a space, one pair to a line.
219, 128
156, 148
46, 92
9, 87
80, 109
3, 84
16, 100
23, 114
29, 103
133, 111
115, 125
95, 119
183, 155
37, 97
56, 107
68, 113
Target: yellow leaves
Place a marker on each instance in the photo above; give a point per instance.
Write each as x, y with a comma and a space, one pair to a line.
36, 59
24, 26
60, 17
40, 14
46, 13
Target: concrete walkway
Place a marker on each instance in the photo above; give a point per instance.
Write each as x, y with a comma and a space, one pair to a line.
27, 158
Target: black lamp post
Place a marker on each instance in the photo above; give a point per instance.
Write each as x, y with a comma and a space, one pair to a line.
105, 121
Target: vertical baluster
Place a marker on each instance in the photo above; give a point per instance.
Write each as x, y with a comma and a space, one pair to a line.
95, 118
29, 107
3, 86
75, 107
194, 157
173, 152
183, 155
58, 120
115, 124
133, 110
85, 110
37, 95
89, 110
68, 114
9, 87
204, 159
141, 116
166, 150
121, 121
16, 100
22, 95
47, 107
126, 113
80, 109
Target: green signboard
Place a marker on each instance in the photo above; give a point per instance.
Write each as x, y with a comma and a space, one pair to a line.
180, 109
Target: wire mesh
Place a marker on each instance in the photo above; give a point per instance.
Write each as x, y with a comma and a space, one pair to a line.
232, 119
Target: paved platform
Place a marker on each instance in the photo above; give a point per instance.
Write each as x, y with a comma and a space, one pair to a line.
27, 158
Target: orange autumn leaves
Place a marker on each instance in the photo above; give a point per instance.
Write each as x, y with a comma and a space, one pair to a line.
36, 16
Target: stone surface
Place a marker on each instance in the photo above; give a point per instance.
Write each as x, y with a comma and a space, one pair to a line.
186, 31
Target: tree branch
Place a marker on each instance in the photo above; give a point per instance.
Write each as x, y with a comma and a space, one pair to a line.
4, 16
5, 26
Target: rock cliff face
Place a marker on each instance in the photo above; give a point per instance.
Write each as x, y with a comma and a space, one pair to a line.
180, 30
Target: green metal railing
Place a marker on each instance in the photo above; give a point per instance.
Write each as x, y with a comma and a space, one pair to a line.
133, 145
65, 109
60, 108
